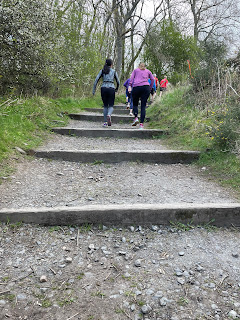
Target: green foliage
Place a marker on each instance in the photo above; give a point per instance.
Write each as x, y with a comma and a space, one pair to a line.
25, 122
211, 60
167, 51
202, 128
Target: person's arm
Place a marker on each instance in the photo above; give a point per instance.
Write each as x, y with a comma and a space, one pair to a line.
152, 80
117, 80
96, 82
131, 81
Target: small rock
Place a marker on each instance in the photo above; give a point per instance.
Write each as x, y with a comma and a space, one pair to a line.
68, 259
138, 293
2, 302
137, 263
43, 278
90, 199
163, 301
235, 255
181, 253
145, 309
181, 281
21, 296
158, 294
132, 229
232, 314
91, 247
124, 239
133, 308
154, 228
122, 253
20, 150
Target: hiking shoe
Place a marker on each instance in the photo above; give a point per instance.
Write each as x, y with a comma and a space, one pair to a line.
141, 126
109, 121
135, 122
105, 125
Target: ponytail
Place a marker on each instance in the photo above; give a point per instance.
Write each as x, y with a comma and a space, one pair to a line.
107, 66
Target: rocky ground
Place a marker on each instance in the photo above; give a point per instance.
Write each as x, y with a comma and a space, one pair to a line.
137, 273
94, 272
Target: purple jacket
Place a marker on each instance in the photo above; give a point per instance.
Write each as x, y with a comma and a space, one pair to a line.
140, 78
126, 83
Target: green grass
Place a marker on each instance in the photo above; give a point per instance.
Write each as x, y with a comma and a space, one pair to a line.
190, 128
25, 123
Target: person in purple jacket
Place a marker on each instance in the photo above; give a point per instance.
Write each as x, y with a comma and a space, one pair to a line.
129, 97
140, 88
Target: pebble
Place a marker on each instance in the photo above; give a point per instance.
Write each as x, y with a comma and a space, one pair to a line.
235, 255
181, 253
132, 229
68, 259
137, 263
145, 309
181, 281
232, 314
43, 278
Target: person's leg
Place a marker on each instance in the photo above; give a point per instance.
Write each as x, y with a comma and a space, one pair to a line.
135, 95
105, 104
144, 96
111, 99
131, 105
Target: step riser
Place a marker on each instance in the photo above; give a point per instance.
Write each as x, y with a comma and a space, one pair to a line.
99, 118
116, 111
140, 134
124, 215
117, 156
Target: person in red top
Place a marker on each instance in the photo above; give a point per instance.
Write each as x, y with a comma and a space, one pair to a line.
156, 85
163, 85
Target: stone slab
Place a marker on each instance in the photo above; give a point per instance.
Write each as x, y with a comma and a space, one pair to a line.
221, 215
116, 156
116, 111
112, 133
99, 117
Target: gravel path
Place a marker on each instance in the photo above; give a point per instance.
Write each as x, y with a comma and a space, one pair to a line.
117, 274
89, 273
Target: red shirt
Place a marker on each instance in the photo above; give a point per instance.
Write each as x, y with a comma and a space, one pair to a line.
156, 82
163, 83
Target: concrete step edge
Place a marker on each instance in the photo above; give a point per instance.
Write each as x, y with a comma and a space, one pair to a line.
219, 214
117, 156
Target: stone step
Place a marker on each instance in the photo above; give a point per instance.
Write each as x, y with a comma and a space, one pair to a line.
116, 111
222, 215
112, 133
99, 117
116, 156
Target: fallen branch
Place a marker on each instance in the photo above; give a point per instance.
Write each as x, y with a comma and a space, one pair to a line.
3, 292
73, 316
233, 90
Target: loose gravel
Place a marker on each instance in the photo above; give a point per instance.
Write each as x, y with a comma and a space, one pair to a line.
88, 272
62, 273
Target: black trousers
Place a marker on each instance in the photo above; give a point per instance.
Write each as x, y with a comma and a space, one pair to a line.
142, 92
108, 96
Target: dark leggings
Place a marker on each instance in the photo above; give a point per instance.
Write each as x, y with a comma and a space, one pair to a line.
142, 92
108, 97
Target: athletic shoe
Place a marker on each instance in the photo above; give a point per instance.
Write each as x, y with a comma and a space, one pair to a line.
109, 121
131, 114
135, 122
141, 126
128, 105
105, 125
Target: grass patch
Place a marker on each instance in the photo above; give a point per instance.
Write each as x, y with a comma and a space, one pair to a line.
27, 123
190, 127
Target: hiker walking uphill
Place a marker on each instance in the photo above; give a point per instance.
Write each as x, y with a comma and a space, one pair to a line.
107, 90
140, 88
163, 85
